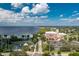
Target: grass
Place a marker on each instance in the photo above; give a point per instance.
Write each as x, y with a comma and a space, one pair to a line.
62, 53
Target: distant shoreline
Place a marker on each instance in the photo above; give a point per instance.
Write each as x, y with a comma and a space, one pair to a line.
39, 26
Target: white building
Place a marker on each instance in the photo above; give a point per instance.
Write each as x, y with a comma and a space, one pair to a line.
50, 35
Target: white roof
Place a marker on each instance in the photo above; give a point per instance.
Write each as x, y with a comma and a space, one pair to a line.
51, 32
62, 34
25, 44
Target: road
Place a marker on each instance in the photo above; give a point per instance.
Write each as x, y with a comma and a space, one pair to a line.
39, 52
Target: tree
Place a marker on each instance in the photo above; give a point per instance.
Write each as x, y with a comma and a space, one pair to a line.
5, 36
42, 30
6, 41
46, 53
14, 38
52, 53
34, 38
59, 53
23, 36
66, 46
1, 43
28, 37
74, 54
45, 47
18, 53
25, 48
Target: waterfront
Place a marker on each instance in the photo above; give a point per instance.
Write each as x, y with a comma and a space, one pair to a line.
45, 40
18, 30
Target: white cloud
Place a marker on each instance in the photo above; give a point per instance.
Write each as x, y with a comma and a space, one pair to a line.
61, 15
44, 17
75, 11
70, 19
26, 10
16, 5
40, 8
33, 4
9, 16
75, 20
75, 14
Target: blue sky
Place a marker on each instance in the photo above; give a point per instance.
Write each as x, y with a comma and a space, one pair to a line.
32, 14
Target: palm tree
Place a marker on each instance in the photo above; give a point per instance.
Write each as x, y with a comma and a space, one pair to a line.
1, 41
28, 37
23, 36
5, 36
76, 36
6, 40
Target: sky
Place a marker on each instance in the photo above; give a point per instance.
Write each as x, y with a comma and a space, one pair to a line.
39, 14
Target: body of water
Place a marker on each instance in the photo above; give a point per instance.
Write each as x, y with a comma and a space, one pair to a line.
11, 30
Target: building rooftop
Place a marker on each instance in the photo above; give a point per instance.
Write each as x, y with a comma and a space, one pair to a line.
54, 35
